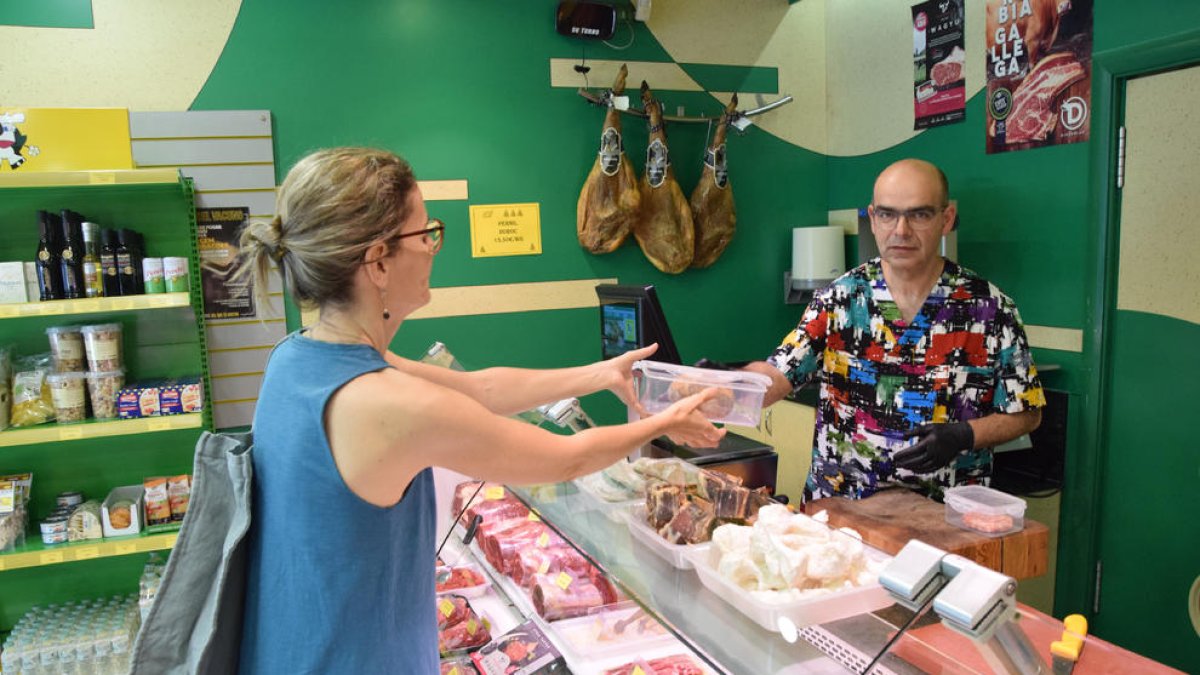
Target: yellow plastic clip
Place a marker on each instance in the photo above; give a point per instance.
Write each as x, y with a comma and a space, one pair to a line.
1075, 630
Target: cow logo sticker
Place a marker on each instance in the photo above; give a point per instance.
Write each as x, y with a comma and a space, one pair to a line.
714, 158
13, 146
610, 151
658, 159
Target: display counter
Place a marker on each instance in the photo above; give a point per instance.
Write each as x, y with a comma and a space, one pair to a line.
727, 639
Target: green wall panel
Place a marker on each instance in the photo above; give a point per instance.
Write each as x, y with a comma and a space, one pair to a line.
56, 584
47, 13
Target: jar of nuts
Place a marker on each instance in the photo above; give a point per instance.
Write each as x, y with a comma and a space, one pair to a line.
66, 390
103, 345
102, 389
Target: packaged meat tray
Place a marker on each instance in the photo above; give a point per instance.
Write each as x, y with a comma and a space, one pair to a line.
984, 510
673, 664
523, 650
467, 580
739, 400
833, 575
624, 627
676, 554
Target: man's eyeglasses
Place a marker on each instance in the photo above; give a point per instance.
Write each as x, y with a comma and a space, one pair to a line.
918, 218
434, 235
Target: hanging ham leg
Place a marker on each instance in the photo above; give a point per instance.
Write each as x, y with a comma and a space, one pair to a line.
712, 200
664, 230
609, 201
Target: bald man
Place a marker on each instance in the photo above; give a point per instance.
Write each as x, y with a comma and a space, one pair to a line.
923, 365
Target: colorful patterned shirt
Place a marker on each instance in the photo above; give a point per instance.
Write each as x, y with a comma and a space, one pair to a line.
963, 356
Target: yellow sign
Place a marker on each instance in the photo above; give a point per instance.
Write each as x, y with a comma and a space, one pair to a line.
64, 139
505, 229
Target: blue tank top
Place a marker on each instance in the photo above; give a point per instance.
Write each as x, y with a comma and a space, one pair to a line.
334, 584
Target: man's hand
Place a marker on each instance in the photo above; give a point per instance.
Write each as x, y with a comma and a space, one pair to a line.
939, 444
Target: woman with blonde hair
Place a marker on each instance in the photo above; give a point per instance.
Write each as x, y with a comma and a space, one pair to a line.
341, 546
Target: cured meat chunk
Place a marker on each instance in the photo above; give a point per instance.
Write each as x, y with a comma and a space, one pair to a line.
664, 229
609, 201
663, 500
692, 524
710, 481
712, 201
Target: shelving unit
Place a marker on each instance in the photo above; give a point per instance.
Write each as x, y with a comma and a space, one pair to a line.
164, 337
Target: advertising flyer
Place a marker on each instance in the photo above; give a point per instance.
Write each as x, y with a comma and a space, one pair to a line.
1039, 73
218, 231
939, 83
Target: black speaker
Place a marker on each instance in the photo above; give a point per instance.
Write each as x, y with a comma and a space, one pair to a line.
588, 20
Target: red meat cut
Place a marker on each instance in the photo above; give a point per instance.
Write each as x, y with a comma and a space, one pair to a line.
949, 70
1033, 115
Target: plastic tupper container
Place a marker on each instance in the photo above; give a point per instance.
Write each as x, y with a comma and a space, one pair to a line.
102, 343
66, 348
739, 401
984, 510
102, 390
67, 391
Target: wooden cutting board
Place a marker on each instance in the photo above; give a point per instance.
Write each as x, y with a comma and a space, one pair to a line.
888, 520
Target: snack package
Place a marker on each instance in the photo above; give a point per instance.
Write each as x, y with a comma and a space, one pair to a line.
179, 491
5, 386
32, 401
84, 522
158, 506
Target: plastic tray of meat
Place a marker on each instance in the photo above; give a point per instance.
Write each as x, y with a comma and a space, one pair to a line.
675, 662
766, 608
466, 579
739, 398
676, 554
624, 626
984, 510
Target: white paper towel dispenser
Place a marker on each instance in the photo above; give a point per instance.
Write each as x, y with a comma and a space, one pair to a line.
818, 257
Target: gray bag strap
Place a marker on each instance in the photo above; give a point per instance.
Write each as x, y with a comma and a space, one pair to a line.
195, 623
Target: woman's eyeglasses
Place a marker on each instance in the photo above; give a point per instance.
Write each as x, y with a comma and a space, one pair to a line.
434, 235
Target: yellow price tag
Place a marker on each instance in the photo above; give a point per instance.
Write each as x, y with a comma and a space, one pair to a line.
446, 607
544, 540
544, 567
70, 433
102, 177
564, 580
637, 670
3, 565
158, 424
534, 517
87, 552
125, 548
472, 627
494, 492
51, 558
453, 671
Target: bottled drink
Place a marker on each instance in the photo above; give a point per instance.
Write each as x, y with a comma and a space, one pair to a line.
108, 263
125, 254
49, 272
72, 255
93, 279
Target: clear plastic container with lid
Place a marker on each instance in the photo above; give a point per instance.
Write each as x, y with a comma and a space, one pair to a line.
984, 510
67, 391
102, 342
739, 399
66, 348
102, 390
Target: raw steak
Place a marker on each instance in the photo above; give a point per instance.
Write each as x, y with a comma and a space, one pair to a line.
553, 602
609, 201
664, 229
949, 70
712, 200
551, 560
1033, 115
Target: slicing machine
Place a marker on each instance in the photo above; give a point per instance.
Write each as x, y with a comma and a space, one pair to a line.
971, 599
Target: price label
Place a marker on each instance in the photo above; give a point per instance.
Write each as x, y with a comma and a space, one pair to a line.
637, 670
494, 492
125, 548
3, 564
564, 580
87, 553
544, 540
534, 517
158, 424
544, 567
453, 671
51, 558
169, 540
472, 627
446, 607
70, 433
102, 177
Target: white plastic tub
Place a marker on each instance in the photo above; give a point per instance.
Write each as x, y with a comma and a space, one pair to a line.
676, 554
594, 636
741, 393
799, 612
984, 510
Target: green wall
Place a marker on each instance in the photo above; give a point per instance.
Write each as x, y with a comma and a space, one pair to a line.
462, 89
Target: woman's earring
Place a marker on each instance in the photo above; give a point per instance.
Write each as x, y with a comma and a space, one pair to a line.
383, 299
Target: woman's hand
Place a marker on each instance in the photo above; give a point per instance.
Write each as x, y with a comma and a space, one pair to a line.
621, 369
688, 426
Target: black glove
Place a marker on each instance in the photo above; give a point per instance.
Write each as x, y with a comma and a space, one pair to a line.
939, 444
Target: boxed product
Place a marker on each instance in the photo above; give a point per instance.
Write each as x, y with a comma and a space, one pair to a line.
85, 522
739, 394
179, 493
157, 502
984, 510
122, 511
523, 650
160, 397
12, 282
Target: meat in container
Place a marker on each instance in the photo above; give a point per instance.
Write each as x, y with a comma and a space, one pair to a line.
984, 510
739, 399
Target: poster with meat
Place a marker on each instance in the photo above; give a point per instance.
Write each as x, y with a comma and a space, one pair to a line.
218, 231
1039, 73
939, 84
